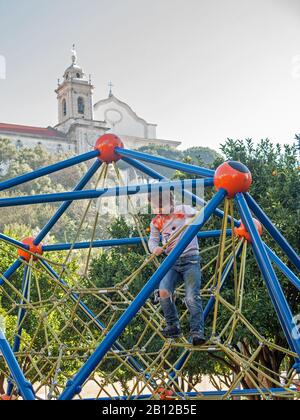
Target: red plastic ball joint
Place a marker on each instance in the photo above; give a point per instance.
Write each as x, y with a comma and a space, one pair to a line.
242, 232
35, 249
233, 177
165, 394
5, 398
107, 145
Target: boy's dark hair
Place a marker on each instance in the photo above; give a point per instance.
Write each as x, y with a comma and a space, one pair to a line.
161, 198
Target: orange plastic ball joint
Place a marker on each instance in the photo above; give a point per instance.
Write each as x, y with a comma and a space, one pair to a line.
233, 177
35, 249
5, 398
242, 232
165, 394
107, 145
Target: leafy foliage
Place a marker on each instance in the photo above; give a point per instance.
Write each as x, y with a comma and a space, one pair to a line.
276, 188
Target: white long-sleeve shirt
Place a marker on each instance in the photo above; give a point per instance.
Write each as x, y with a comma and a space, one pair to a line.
163, 227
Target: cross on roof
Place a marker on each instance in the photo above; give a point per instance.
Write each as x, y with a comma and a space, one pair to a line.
110, 85
74, 55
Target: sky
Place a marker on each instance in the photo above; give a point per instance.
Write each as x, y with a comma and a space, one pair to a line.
203, 70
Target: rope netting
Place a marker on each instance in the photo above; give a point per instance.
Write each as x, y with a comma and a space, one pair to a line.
59, 319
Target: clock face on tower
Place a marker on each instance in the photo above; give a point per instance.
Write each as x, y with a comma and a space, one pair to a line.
113, 117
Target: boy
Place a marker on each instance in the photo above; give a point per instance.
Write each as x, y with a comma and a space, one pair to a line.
169, 220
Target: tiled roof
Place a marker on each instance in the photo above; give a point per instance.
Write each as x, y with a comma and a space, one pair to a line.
35, 131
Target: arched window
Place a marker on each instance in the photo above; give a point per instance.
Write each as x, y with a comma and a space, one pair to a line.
78, 75
64, 107
80, 103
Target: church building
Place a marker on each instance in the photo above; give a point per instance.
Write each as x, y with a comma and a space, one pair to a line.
81, 122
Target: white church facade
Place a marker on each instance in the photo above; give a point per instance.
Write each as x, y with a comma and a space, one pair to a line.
81, 122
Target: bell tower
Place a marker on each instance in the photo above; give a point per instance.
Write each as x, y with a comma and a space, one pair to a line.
74, 94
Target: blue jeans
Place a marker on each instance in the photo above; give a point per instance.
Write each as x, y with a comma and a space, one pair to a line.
187, 269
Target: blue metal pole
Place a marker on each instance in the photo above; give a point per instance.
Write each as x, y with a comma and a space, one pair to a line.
95, 244
277, 296
209, 394
283, 268
24, 387
85, 309
274, 232
21, 315
209, 307
154, 174
120, 242
145, 169
64, 207
91, 194
11, 271
13, 242
48, 170
74, 386
161, 161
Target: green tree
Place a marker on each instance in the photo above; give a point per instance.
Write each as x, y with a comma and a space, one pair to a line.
202, 156
276, 188
15, 162
43, 289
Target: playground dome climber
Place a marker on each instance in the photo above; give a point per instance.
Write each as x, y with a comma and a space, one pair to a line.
242, 232
233, 177
68, 337
31, 247
106, 145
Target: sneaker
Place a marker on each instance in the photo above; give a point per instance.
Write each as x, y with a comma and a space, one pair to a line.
171, 332
198, 339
